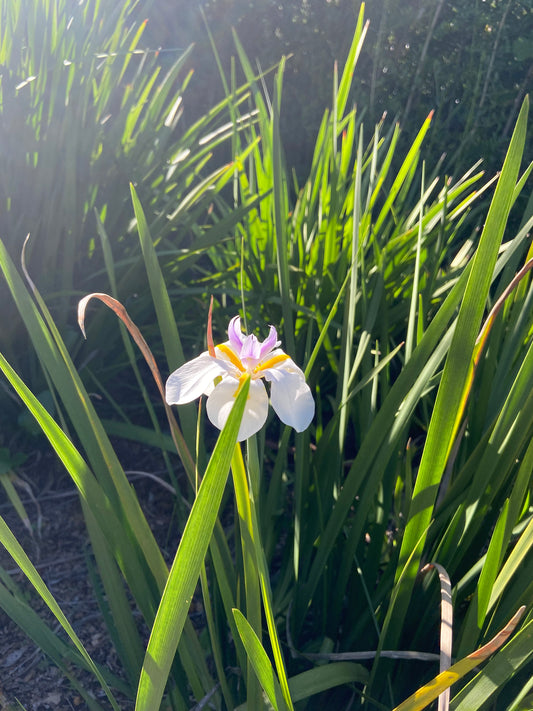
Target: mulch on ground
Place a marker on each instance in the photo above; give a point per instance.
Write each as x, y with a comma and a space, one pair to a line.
60, 553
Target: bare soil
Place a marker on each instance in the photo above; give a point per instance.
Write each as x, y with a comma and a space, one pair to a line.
58, 547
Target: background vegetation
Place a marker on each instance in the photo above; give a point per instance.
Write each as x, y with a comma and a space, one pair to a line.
470, 61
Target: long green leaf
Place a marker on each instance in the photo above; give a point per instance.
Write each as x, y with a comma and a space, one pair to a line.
260, 662
346, 81
443, 425
185, 571
279, 185
321, 678
163, 308
81, 475
430, 691
53, 354
497, 674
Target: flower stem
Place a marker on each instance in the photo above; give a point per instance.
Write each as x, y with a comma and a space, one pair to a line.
246, 505
251, 581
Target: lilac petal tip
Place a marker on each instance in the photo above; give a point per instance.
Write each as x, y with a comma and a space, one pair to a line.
270, 342
235, 334
251, 348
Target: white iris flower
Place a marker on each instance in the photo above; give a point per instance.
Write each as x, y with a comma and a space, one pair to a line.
219, 373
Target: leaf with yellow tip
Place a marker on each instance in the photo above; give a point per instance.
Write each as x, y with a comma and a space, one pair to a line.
430, 691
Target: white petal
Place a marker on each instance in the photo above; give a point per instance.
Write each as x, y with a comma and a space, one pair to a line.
226, 362
221, 401
280, 370
192, 380
276, 352
290, 395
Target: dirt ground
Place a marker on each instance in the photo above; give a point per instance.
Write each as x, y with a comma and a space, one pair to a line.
27, 676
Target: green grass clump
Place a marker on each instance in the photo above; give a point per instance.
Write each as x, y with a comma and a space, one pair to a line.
85, 110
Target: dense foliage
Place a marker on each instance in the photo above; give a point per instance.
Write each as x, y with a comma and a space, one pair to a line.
404, 295
471, 61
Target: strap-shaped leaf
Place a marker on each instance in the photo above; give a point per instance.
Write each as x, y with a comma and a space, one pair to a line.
430, 691
260, 661
185, 571
455, 378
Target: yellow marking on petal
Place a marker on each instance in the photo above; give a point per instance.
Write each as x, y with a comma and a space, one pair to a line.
231, 355
271, 362
242, 379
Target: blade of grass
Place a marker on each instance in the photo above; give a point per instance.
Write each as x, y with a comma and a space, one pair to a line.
429, 692
402, 175
123, 626
165, 316
280, 210
349, 313
351, 62
185, 571
155, 426
260, 662
260, 565
496, 676
250, 568
411, 324
442, 427
54, 355
87, 486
